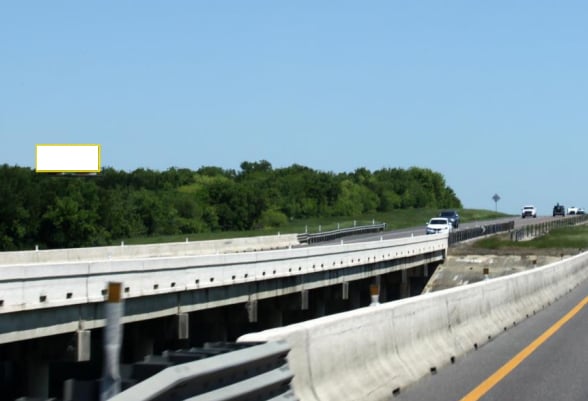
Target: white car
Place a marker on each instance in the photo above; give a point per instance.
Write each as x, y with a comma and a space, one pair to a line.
438, 225
572, 210
528, 211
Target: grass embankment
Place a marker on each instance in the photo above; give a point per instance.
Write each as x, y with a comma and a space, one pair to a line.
394, 220
574, 237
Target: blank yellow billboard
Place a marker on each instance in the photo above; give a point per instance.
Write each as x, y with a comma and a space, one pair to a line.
61, 158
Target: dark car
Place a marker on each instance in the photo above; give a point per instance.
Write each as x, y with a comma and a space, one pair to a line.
559, 210
452, 216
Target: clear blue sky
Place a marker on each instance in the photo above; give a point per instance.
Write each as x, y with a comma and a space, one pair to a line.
492, 95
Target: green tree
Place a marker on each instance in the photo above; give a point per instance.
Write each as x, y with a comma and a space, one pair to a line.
272, 219
69, 223
20, 206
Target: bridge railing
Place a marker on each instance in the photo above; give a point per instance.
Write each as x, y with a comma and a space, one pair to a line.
43, 287
483, 230
334, 234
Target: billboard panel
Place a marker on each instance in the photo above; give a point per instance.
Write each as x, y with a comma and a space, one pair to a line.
61, 158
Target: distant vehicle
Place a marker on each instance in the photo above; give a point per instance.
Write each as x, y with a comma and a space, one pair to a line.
452, 216
559, 210
528, 211
580, 211
438, 225
572, 210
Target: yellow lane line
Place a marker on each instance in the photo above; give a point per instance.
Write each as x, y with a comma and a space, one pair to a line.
508, 367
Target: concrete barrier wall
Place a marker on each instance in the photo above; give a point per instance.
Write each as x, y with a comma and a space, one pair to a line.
46, 285
367, 354
250, 244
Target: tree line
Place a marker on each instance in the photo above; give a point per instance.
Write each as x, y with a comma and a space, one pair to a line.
56, 211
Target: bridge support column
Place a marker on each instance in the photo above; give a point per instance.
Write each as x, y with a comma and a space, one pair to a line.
183, 324
304, 300
345, 290
251, 307
83, 345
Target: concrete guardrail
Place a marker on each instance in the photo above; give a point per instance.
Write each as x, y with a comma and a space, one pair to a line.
374, 352
188, 248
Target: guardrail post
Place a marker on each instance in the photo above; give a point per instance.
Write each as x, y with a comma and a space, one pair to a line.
111, 380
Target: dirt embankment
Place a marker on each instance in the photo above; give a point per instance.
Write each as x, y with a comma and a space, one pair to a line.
467, 264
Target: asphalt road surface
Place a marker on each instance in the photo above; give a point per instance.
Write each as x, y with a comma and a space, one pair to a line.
407, 232
544, 357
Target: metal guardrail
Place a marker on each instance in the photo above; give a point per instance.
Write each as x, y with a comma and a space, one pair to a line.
536, 230
216, 372
470, 233
524, 233
454, 236
334, 234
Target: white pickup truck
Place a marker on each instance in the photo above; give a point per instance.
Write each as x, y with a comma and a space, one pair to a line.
528, 211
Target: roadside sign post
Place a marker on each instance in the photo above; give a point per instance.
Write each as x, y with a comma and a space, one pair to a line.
496, 198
